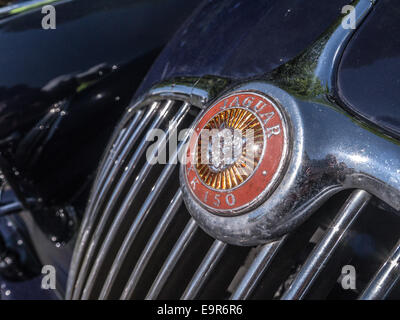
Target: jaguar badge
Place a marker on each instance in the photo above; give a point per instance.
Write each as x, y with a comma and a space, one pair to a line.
237, 153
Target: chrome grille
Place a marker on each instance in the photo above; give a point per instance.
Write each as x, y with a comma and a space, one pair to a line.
120, 185
138, 241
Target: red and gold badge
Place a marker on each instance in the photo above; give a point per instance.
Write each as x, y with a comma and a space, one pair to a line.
236, 153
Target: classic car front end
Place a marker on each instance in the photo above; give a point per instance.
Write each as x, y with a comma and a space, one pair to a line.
201, 150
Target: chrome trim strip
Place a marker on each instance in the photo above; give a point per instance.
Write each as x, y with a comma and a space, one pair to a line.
330, 56
141, 216
321, 254
9, 208
385, 279
172, 260
257, 269
205, 269
197, 91
111, 202
151, 245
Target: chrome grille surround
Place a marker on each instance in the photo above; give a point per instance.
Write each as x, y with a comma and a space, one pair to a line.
330, 153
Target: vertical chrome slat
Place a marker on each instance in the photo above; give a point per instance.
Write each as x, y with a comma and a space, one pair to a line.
110, 157
84, 234
119, 187
331, 240
203, 272
101, 186
385, 279
172, 260
105, 186
151, 245
113, 141
155, 192
257, 269
129, 138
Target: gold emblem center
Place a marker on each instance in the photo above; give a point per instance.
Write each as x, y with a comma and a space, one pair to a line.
229, 148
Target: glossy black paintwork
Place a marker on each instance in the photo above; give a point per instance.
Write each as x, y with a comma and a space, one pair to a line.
62, 91
242, 39
61, 94
369, 75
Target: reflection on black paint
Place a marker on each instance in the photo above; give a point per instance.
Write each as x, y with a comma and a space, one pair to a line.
369, 75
